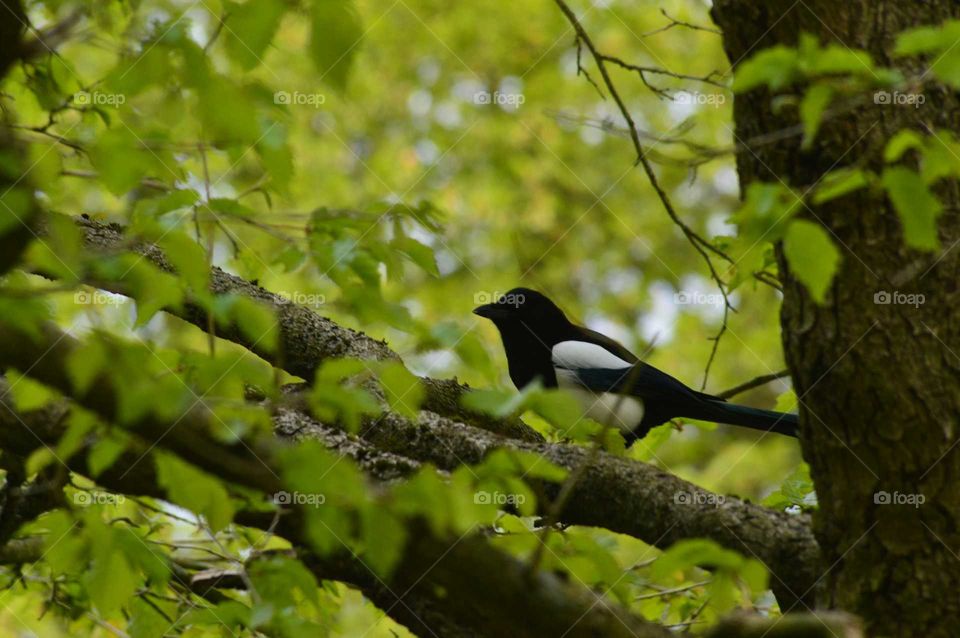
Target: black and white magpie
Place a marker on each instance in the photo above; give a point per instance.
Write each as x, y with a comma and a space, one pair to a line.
614, 387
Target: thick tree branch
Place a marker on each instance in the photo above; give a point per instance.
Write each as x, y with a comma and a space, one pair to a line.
614, 493
455, 569
627, 497
306, 338
809, 625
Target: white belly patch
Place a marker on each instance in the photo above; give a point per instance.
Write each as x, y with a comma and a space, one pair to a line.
614, 410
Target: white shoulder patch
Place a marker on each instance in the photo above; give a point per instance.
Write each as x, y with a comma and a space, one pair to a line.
580, 354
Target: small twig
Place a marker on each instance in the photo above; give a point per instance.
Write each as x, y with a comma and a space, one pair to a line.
753, 383
42, 130
49, 39
147, 182
581, 70
670, 592
707, 79
701, 245
716, 345
679, 23
221, 22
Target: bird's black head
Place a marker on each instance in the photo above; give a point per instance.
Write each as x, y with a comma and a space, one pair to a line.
529, 325
524, 307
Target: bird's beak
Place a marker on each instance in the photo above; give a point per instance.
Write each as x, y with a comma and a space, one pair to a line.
492, 311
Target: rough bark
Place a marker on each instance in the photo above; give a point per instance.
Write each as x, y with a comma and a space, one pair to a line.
643, 507
306, 338
626, 497
879, 384
460, 568
796, 625
11, 31
614, 493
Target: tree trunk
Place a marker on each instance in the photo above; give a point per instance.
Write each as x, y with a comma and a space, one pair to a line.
879, 384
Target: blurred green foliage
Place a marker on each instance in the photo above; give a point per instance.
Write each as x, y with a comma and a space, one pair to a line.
392, 165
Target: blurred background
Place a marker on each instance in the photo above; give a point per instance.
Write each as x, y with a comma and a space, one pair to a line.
461, 155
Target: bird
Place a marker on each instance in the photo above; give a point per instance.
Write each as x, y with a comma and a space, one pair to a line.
613, 386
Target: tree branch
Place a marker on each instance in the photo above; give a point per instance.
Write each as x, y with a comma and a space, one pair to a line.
306, 338
454, 570
753, 383
614, 493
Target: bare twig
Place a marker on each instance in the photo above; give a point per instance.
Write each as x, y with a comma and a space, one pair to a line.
753, 383
701, 245
679, 23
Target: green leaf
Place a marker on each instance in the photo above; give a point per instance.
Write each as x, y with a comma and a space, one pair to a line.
916, 205
195, 490
775, 67
841, 182
420, 254
812, 256
188, 258
815, 102
28, 394
228, 111
60, 252
283, 582
257, 322
227, 614
559, 407
900, 143
498, 403
696, 552
335, 34
110, 581
521, 464
85, 363
119, 160
16, 208
250, 29
334, 399
230, 207
145, 621
104, 454
168, 202
928, 39
384, 537
404, 390
919, 40
939, 43
797, 490
79, 424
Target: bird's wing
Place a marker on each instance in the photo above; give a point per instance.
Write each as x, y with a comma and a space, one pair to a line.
614, 347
